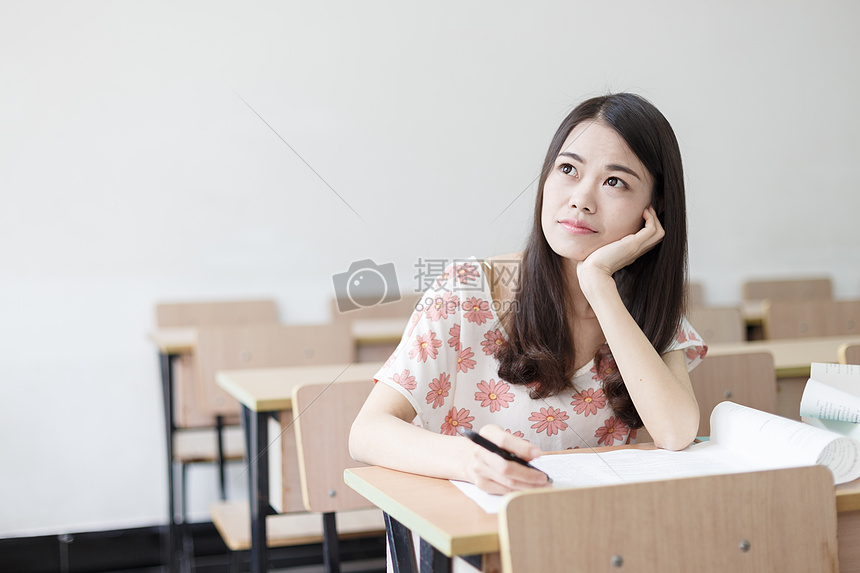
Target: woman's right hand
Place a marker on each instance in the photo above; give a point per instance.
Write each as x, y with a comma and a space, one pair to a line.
494, 474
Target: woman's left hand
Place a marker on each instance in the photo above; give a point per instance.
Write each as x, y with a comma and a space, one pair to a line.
615, 256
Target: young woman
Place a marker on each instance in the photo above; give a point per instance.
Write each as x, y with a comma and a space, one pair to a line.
585, 347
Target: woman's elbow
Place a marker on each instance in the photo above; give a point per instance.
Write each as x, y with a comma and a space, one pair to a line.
680, 436
355, 441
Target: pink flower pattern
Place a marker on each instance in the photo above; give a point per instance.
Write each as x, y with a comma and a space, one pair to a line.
493, 341
494, 394
517, 434
466, 273
464, 359
425, 346
442, 306
589, 401
405, 380
439, 388
606, 367
450, 383
550, 419
477, 310
612, 429
455, 420
454, 341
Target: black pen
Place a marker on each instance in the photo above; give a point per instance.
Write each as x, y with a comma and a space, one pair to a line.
488, 445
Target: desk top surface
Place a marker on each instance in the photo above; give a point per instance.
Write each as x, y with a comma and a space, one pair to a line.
183, 339
271, 389
791, 356
175, 340
442, 515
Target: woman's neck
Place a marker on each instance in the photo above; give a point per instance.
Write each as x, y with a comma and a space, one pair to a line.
578, 306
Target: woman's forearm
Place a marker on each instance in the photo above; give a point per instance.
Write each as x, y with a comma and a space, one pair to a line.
658, 385
379, 437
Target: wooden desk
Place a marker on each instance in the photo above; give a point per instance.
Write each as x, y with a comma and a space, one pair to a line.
791, 357
183, 340
752, 312
262, 392
175, 340
455, 526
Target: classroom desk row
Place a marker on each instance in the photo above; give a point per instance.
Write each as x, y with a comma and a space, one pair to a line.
262, 392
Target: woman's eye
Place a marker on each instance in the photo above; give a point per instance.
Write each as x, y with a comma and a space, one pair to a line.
568, 169
615, 182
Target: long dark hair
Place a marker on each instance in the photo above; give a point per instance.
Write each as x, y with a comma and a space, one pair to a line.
539, 350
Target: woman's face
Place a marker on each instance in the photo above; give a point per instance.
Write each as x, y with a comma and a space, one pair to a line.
595, 194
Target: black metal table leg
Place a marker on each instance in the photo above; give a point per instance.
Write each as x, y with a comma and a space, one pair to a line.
166, 363
331, 544
257, 437
433, 560
219, 434
399, 546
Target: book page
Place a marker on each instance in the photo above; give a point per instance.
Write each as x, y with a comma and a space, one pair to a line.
821, 400
589, 469
780, 442
845, 377
847, 429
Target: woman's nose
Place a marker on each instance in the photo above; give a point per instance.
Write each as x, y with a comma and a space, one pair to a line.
583, 197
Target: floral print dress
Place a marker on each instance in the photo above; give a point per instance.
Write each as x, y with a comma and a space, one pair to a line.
446, 366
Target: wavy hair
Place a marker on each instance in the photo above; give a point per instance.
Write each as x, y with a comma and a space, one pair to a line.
539, 350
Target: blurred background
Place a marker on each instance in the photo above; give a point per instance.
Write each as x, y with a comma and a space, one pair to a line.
171, 151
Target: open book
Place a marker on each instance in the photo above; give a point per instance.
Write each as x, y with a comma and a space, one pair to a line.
742, 440
831, 398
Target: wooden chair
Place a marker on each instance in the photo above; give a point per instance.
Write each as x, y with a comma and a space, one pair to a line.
199, 437
263, 346
718, 324
777, 520
217, 313
391, 318
747, 379
321, 417
807, 319
804, 289
849, 354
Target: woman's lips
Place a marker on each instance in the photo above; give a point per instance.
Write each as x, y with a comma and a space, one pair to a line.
576, 227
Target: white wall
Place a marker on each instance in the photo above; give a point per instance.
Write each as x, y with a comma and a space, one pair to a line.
131, 172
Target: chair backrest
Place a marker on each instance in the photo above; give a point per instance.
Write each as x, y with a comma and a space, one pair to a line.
695, 295
789, 289
323, 415
849, 353
217, 313
188, 412
398, 313
747, 379
718, 324
806, 319
778, 520
263, 346
401, 309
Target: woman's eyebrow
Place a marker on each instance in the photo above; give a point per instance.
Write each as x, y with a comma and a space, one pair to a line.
616, 167
610, 167
572, 155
